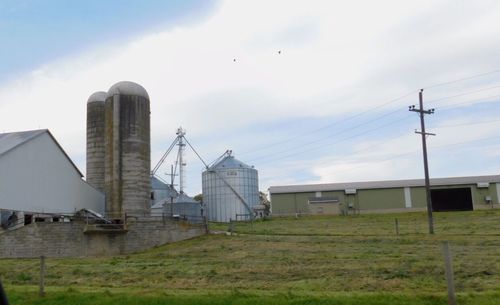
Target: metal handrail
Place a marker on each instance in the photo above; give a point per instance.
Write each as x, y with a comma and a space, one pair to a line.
109, 222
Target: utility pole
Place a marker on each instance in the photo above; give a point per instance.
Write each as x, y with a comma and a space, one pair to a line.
171, 191
421, 111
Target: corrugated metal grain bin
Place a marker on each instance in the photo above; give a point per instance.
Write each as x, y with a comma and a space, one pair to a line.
230, 190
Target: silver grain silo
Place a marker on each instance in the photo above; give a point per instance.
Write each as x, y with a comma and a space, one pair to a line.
127, 150
230, 190
95, 140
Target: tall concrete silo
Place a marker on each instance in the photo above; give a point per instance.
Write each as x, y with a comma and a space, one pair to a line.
230, 190
95, 140
127, 150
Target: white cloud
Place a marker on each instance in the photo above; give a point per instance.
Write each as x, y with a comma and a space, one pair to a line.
336, 57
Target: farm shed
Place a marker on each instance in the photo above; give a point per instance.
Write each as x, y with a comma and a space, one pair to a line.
448, 194
37, 176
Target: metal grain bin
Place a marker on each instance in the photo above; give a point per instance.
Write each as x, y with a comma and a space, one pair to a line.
230, 190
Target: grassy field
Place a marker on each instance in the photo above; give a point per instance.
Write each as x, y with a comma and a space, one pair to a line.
309, 260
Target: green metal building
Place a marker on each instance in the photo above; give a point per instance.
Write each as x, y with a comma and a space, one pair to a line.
448, 194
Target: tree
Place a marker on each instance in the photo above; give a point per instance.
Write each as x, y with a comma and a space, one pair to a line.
198, 197
264, 201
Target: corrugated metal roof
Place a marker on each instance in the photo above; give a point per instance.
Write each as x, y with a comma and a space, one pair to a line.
381, 184
11, 140
157, 184
229, 162
181, 198
165, 189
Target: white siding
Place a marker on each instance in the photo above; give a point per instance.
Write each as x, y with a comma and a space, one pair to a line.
408, 202
498, 192
37, 177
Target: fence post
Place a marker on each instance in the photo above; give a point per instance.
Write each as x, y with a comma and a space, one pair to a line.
396, 223
3, 296
42, 276
205, 223
231, 227
449, 273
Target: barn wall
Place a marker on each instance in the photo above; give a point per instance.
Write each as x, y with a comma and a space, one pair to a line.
282, 204
418, 197
302, 202
497, 189
37, 177
393, 199
375, 199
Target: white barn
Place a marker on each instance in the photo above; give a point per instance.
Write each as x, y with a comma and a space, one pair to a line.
37, 176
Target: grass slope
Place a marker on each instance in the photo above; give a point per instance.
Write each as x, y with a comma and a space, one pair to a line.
309, 260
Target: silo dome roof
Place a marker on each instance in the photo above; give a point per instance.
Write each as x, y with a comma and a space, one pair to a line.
99, 96
229, 162
127, 88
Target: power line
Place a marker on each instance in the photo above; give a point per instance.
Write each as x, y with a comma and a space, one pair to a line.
356, 126
331, 124
465, 142
265, 147
454, 105
399, 136
356, 152
332, 143
336, 142
332, 135
466, 124
396, 156
361, 124
462, 79
463, 94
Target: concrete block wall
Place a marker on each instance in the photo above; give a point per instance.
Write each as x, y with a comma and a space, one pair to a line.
67, 239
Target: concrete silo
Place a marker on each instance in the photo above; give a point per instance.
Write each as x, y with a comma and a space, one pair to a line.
127, 150
95, 140
230, 190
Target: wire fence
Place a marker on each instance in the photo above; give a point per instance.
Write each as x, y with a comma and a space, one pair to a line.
328, 263
486, 222
360, 253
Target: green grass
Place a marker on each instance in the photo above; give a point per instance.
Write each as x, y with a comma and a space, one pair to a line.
236, 297
309, 260
460, 223
246, 299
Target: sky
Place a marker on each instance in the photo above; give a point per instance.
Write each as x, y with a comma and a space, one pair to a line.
307, 92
